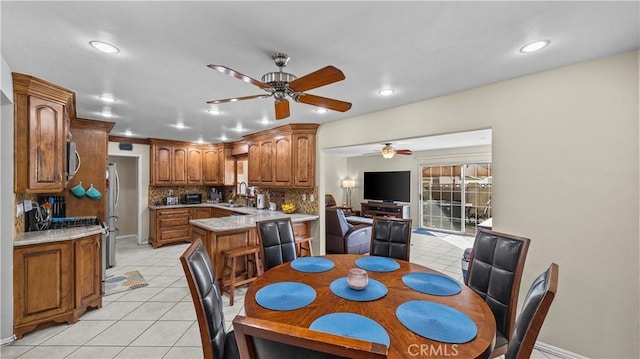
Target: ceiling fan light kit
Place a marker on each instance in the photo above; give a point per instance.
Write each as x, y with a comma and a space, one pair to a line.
281, 85
388, 151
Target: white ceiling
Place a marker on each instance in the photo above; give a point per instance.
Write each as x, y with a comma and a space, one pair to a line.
422, 49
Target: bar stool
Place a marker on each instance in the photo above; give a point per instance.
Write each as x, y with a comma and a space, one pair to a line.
230, 278
303, 246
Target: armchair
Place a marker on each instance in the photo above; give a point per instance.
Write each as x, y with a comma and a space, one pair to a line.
342, 237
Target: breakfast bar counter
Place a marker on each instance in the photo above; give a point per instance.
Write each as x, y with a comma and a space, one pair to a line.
219, 234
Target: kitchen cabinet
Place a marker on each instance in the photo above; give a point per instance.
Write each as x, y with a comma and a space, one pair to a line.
169, 225
218, 165
55, 282
211, 165
194, 165
88, 272
169, 163
282, 157
200, 213
42, 114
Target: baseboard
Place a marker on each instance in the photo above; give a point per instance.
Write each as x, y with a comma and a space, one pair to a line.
127, 236
557, 352
6, 341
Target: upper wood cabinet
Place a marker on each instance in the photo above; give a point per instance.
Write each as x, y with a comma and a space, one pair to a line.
42, 113
194, 165
211, 165
283, 156
170, 163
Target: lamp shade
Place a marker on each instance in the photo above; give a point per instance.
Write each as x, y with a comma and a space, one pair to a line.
348, 183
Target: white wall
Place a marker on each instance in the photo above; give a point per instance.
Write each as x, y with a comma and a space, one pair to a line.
546, 129
142, 153
7, 214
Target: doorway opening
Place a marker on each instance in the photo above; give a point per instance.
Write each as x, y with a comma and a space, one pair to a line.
127, 224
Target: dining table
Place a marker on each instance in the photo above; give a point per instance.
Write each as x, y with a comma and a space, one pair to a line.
395, 290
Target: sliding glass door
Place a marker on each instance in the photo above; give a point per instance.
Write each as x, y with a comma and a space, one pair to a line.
455, 197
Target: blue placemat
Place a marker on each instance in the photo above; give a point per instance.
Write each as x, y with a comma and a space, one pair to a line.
437, 322
352, 326
374, 290
312, 264
377, 264
285, 296
433, 284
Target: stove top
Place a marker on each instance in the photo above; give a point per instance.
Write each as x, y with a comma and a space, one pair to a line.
72, 222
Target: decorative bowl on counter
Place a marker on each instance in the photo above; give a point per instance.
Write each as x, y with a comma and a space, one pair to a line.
288, 208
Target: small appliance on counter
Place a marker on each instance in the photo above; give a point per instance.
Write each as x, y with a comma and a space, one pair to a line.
193, 198
171, 200
260, 201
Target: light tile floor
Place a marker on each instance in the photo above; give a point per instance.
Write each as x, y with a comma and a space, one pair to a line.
158, 321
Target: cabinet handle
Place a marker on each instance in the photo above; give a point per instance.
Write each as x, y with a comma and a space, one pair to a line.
59, 177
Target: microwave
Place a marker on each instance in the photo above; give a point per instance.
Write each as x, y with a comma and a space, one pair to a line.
73, 160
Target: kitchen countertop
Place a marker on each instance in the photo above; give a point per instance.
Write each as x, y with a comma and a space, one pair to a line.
56, 235
251, 216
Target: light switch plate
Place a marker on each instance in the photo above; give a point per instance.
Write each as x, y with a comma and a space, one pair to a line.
19, 209
304, 196
311, 197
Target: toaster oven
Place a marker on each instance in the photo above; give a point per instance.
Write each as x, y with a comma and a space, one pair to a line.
192, 198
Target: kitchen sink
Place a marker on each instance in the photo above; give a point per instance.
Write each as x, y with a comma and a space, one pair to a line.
231, 205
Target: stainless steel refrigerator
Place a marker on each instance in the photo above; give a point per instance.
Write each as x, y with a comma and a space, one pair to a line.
113, 189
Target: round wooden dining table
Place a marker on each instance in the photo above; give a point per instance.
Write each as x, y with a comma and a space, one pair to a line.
403, 342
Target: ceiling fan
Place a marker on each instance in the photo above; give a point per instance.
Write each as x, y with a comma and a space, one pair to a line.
388, 151
281, 84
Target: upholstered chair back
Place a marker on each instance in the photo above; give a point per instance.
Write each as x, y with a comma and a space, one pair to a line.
277, 241
391, 237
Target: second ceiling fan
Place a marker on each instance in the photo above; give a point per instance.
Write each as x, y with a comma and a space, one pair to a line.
281, 85
388, 151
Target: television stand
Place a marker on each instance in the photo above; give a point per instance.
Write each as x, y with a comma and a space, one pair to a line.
380, 209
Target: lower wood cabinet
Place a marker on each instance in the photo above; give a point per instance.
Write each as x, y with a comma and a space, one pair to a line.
55, 282
169, 225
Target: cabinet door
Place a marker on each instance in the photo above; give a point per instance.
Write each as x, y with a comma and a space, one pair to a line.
179, 165
194, 166
282, 161
304, 163
42, 281
47, 145
266, 162
200, 213
88, 267
253, 163
161, 165
210, 166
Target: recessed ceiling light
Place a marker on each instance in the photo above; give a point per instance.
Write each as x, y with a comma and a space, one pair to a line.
104, 47
214, 111
265, 121
535, 46
107, 99
321, 110
128, 133
106, 114
180, 125
386, 92
200, 141
223, 138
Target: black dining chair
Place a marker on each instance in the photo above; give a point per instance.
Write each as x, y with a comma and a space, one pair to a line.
216, 343
277, 242
259, 338
391, 237
495, 271
534, 311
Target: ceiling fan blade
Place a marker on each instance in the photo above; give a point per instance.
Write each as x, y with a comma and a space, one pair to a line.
282, 109
239, 76
325, 102
404, 152
324, 76
234, 99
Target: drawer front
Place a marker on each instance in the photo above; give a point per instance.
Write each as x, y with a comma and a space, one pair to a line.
300, 229
174, 212
173, 221
174, 234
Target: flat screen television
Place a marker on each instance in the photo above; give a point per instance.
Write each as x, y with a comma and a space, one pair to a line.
388, 186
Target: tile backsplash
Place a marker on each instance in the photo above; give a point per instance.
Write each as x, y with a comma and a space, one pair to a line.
277, 195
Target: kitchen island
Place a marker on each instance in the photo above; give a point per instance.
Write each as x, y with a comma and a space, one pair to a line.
218, 234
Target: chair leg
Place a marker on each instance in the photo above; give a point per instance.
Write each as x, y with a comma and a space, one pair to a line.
232, 284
